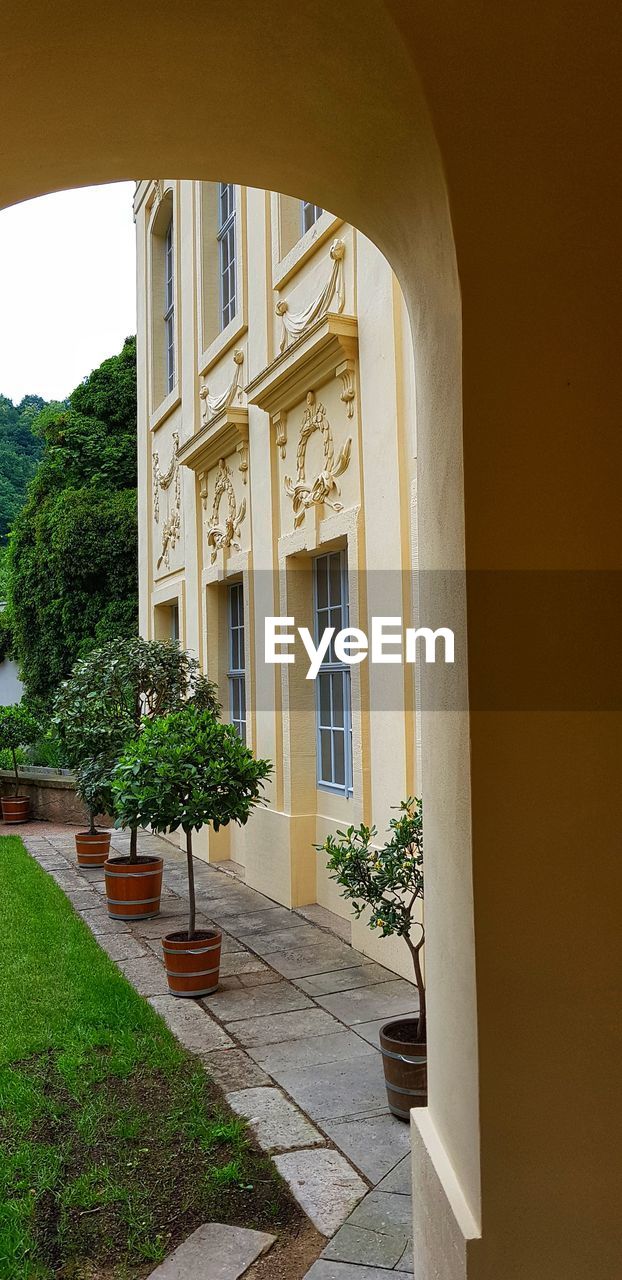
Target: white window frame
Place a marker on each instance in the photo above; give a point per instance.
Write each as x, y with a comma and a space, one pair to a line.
335, 614
236, 672
309, 214
169, 307
227, 253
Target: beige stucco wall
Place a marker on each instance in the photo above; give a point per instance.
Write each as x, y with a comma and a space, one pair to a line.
236, 418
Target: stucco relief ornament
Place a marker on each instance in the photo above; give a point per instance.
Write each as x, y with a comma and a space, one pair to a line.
226, 534
211, 406
305, 494
169, 481
295, 323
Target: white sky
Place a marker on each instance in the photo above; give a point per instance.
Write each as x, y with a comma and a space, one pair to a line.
67, 288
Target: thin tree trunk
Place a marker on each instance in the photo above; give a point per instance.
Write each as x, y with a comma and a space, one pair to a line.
191, 894
92, 828
16, 771
133, 844
421, 1021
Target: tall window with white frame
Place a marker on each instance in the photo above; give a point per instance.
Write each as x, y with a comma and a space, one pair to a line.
236, 675
309, 213
333, 691
169, 307
227, 252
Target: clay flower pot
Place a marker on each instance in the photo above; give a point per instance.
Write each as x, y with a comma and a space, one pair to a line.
16, 808
192, 966
92, 848
405, 1066
133, 889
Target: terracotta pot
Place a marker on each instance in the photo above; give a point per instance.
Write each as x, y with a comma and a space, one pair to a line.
16, 808
133, 888
92, 848
192, 967
405, 1066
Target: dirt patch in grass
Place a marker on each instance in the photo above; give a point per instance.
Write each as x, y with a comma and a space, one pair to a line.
111, 1173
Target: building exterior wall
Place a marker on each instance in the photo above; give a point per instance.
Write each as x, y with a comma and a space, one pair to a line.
309, 383
11, 687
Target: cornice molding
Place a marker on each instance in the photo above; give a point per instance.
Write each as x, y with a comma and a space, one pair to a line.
225, 434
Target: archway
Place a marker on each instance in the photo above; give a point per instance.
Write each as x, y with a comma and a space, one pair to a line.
328, 103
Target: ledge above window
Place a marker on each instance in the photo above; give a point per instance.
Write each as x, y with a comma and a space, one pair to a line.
165, 408
311, 360
221, 436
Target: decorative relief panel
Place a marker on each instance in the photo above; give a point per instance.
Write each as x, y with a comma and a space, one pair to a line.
211, 406
169, 483
223, 533
324, 488
296, 323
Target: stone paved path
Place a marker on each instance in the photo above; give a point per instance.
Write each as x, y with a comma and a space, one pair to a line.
290, 1036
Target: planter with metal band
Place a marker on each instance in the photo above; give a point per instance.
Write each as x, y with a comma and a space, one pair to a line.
133, 889
16, 808
405, 1066
92, 848
192, 964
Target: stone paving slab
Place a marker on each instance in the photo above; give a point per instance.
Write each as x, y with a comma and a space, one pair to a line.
99, 922
146, 975
275, 997
324, 1184
384, 1211
193, 1027
368, 1248
364, 975
336, 1089
384, 1000
255, 922
235, 1069
399, 1179
374, 1145
300, 962
233, 962
370, 1031
271, 940
339, 1046
277, 1124
214, 1252
284, 1026
325, 1270
122, 946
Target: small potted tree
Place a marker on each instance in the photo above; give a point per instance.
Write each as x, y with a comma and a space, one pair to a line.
106, 702
93, 785
18, 728
388, 882
186, 770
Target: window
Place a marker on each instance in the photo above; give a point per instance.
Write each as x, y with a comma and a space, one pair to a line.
169, 308
175, 623
236, 673
309, 213
333, 701
226, 244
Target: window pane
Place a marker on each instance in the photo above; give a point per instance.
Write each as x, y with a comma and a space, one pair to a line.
335, 580
339, 776
324, 680
322, 588
338, 680
326, 769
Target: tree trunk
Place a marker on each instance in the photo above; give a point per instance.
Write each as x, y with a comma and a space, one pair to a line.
92, 827
16, 771
421, 1021
133, 844
191, 895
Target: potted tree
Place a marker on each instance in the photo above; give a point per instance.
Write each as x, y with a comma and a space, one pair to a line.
93, 778
186, 770
388, 882
108, 699
18, 728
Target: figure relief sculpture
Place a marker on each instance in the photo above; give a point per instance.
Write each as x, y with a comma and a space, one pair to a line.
224, 534
324, 488
168, 482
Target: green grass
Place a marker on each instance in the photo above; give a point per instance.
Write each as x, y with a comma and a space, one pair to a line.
114, 1144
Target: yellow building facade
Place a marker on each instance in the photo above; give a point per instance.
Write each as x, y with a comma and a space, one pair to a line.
278, 455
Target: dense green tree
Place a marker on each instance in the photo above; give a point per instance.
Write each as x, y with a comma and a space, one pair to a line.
20, 449
72, 579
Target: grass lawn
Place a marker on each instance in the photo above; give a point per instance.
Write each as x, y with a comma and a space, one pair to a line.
114, 1145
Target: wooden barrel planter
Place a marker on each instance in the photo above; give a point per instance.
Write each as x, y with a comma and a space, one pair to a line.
16, 808
133, 889
92, 848
192, 966
405, 1066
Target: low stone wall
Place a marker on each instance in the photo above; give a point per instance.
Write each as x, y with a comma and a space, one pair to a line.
53, 794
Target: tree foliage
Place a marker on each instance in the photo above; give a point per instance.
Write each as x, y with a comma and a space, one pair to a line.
73, 578
20, 448
386, 881
18, 728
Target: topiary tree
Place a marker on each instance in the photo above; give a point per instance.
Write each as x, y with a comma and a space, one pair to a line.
18, 728
111, 693
187, 770
94, 786
388, 881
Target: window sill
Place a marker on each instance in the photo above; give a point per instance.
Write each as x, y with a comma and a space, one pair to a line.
284, 268
226, 338
165, 408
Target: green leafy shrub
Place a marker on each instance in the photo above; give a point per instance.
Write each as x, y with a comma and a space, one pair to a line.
112, 693
18, 728
186, 770
386, 881
94, 786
